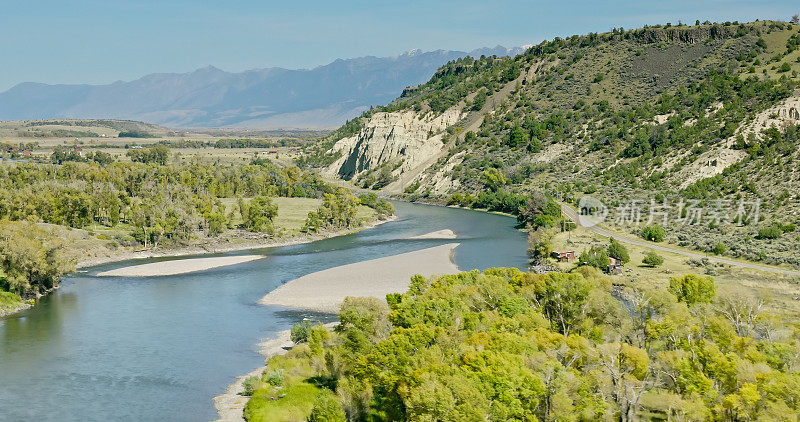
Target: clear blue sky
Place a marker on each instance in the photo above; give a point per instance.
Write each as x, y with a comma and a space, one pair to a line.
100, 41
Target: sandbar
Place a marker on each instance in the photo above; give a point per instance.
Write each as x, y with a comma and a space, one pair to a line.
178, 266
439, 234
324, 291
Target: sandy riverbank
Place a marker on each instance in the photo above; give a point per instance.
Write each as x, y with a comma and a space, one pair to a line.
230, 404
223, 248
325, 290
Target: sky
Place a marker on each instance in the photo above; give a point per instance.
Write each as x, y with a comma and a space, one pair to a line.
102, 41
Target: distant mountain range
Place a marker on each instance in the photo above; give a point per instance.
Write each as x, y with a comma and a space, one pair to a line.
325, 96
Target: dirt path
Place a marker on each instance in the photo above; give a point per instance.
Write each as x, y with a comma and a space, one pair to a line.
573, 215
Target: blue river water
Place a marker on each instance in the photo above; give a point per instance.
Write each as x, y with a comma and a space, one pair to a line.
159, 348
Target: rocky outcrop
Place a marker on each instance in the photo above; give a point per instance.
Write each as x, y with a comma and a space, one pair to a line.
684, 34
406, 141
713, 162
780, 116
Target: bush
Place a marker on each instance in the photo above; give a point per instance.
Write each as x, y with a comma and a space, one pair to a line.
770, 232
652, 259
654, 233
327, 408
719, 248
275, 377
251, 385
300, 331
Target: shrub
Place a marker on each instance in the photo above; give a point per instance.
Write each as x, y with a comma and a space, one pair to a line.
251, 385
719, 248
652, 259
300, 331
654, 233
327, 408
770, 232
275, 377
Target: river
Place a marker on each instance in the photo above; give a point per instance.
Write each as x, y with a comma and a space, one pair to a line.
159, 349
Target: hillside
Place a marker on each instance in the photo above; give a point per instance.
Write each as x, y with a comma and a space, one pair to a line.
680, 118
324, 96
69, 129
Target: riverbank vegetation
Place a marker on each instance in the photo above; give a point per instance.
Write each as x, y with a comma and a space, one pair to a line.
155, 201
506, 345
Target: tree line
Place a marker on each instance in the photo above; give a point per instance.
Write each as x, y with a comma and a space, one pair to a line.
505, 345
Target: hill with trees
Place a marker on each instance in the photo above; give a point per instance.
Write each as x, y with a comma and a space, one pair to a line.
698, 119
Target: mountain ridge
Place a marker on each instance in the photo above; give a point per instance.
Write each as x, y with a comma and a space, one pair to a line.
323, 96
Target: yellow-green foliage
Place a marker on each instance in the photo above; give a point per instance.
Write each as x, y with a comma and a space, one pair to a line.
506, 345
294, 398
9, 301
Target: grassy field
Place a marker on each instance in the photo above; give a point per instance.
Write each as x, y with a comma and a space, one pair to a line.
9, 302
43, 136
292, 213
780, 293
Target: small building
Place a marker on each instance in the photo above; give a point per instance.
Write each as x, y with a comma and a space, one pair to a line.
615, 266
273, 151
563, 256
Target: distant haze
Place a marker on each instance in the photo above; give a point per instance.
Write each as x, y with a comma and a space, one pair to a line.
325, 96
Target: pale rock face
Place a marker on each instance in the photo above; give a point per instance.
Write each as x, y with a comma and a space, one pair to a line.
441, 182
780, 116
713, 162
405, 139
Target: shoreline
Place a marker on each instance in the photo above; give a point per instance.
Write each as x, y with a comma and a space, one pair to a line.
230, 404
244, 246
190, 251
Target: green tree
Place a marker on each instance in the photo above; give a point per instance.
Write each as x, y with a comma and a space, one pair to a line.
517, 137
300, 331
259, 215
619, 251
563, 297
596, 256
654, 233
652, 259
494, 179
693, 288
